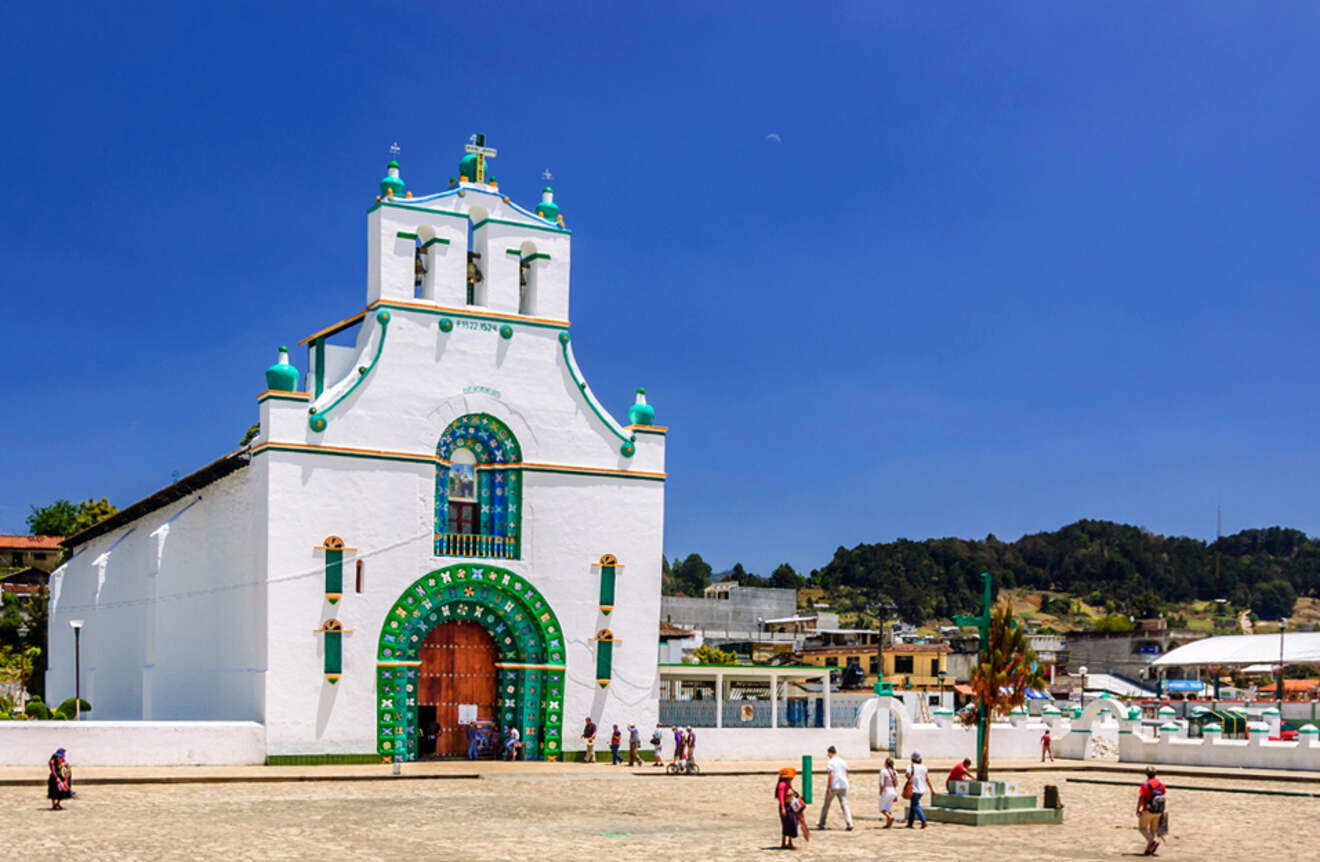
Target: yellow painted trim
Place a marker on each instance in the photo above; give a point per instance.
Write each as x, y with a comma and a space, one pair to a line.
474, 310
607, 640
516, 666
333, 677
436, 459
612, 565
347, 450
331, 631
335, 596
347, 321
607, 608
653, 429
398, 664
283, 394
533, 465
324, 548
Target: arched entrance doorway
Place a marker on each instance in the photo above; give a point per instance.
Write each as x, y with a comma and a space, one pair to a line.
457, 676
529, 656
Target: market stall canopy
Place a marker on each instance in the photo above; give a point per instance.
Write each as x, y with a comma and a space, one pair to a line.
1298, 648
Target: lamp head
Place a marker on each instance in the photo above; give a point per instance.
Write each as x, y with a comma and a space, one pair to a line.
1082, 670
77, 624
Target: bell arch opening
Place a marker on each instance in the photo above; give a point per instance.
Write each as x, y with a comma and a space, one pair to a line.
529, 657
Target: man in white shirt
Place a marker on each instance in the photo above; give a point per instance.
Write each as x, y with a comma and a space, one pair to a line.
837, 788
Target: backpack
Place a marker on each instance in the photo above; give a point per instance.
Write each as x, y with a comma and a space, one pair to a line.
655, 738
1155, 805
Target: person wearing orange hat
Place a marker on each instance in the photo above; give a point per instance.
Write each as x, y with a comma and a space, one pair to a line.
787, 816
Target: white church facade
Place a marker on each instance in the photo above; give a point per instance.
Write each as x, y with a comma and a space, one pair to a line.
437, 522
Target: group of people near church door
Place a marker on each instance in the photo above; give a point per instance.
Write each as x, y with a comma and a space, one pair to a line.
590, 730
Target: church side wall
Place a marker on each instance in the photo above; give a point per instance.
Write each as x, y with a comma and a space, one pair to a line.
173, 605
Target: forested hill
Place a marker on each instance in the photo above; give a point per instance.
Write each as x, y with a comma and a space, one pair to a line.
1131, 570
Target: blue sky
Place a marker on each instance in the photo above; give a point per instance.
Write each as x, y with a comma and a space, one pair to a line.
1005, 269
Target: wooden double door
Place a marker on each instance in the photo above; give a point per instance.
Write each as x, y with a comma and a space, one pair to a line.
458, 668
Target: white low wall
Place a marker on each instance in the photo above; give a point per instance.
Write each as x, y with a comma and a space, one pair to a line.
134, 743
787, 743
1257, 752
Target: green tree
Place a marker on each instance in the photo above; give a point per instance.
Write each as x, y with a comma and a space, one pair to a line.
706, 654
1112, 623
92, 512
253, 430
690, 576
746, 578
785, 578
60, 518
1005, 671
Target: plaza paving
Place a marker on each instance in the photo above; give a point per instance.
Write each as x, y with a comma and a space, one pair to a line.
555, 811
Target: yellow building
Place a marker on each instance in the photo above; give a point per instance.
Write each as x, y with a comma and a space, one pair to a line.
914, 666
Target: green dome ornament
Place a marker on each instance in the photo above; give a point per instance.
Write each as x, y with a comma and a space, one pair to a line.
390, 184
547, 208
467, 169
282, 377
641, 413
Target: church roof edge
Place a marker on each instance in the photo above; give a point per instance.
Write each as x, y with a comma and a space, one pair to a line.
193, 482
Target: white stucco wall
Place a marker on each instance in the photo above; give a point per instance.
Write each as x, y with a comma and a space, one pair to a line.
133, 743
173, 611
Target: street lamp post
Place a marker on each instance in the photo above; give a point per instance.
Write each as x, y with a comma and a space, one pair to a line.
1283, 623
943, 674
77, 667
1081, 698
882, 609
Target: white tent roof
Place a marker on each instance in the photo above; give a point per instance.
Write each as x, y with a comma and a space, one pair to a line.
1115, 685
1298, 648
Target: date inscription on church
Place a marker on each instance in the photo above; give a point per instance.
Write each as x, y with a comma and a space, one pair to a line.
481, 390
476, 324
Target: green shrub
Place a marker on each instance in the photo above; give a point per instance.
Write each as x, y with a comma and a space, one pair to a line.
36, 709
68, 709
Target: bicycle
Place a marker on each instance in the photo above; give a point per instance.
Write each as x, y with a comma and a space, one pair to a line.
687, 767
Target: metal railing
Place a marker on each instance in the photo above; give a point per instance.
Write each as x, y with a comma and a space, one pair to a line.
464, 545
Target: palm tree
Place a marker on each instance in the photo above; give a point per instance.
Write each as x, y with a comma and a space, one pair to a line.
1005, 670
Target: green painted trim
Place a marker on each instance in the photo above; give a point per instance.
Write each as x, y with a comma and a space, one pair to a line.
506, 331
587, 471
319, 346
537, 256
371, 456
628, 449
320, 759
403, 234
545, 228
1080, 730
525, 630
513, 251
472, 316
262, 398
649, 431
378, 204
433, 240
317, 420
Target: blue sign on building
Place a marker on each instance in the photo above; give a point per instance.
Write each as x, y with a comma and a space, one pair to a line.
1184, 685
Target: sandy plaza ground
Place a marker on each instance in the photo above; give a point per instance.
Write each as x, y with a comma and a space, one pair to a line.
604, 813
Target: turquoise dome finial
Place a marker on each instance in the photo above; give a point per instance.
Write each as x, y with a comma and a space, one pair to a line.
547, 208
467, 169
282, 377
390, 184
641, 413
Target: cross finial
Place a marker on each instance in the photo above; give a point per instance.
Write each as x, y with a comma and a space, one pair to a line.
547, 175
483, 152
394, 149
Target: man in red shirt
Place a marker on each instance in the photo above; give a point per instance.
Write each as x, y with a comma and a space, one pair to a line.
960, 772
1150, 809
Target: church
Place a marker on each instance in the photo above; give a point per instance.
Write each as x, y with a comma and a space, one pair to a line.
437, 524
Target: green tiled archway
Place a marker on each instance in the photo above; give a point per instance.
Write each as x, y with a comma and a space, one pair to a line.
527, 636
